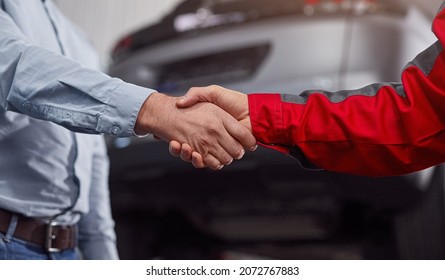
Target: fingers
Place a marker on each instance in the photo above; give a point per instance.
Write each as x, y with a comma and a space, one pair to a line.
215, 134
197, 160
241, 134
213, 163
186, 153
219, 155
174, 148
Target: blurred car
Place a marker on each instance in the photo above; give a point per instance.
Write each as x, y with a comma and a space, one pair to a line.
266, 205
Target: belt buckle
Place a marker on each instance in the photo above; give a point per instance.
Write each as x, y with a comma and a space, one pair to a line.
50, 236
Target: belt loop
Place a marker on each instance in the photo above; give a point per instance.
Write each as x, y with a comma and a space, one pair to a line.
11, 228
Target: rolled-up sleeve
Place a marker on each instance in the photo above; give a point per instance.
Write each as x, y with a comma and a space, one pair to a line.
48, 86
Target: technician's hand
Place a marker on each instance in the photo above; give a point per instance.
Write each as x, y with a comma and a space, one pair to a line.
233, 102
210, 131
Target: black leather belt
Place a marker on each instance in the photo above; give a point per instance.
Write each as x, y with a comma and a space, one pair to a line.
52, 236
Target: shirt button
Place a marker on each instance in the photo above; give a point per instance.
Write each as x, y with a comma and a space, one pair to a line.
115, 130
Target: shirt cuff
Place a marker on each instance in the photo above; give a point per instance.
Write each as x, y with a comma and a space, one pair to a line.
123, 109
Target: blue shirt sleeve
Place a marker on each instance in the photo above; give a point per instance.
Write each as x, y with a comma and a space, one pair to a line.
44, 85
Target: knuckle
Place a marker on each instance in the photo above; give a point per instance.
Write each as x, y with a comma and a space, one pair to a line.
214, 88
212, 130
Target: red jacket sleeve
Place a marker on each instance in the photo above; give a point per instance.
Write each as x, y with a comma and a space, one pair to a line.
380, 130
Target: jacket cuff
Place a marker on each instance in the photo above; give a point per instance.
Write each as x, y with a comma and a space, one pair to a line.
266, 117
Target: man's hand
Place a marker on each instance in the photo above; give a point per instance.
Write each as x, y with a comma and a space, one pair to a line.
210, 131
233, 102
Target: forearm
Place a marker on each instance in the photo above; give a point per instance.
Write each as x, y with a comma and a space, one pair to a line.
44, 85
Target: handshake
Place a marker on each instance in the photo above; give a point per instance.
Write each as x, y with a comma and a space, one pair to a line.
209, 126
347, 131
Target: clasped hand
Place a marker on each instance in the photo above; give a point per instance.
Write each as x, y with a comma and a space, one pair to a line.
209, 126
232, 102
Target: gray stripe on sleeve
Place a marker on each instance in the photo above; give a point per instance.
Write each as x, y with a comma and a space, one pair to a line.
340, 96
425, 60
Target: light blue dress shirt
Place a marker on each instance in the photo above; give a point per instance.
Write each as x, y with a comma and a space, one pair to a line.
46, 86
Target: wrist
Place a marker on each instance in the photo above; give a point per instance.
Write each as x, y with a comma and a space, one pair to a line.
145, 122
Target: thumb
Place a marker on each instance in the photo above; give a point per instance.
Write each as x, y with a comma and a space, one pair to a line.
193, 96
